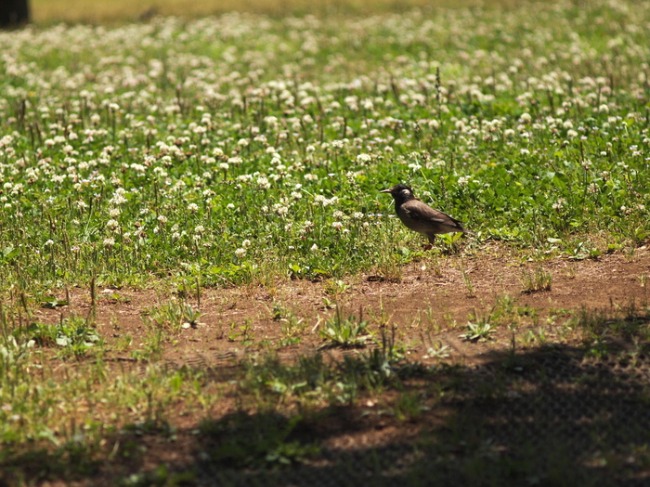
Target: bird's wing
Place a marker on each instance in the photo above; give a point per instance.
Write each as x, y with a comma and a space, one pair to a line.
421, 212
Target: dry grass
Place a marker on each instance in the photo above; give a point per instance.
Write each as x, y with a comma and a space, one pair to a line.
95, 11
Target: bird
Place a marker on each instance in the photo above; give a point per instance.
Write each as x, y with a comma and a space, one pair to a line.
419, 216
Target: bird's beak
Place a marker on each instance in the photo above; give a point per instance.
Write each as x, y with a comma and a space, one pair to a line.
385, 191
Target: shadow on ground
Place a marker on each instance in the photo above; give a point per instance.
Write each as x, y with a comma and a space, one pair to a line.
552, 415
544, 417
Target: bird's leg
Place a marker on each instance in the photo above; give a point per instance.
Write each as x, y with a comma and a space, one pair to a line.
432, 239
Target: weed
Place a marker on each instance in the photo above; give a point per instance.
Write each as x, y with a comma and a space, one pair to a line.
336, 287
479, 331
53, 303
438, 351
190, 316
345, 332
409, 406
172, 316
74, 336
536, 280
242, 439
606, 332
292, 327
469, 286
240, 332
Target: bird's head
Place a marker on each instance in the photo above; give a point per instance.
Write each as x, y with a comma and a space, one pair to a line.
400, 192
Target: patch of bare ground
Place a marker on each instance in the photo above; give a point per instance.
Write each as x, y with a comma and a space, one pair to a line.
525, 378
433, 299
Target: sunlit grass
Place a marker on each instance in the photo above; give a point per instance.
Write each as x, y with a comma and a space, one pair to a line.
95, 11
226, 150
250, 149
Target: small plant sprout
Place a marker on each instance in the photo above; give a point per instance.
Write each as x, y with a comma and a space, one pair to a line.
469, 285
292, 327
190, 316
345, 332
336, 287
438, 351
477, 332
536, 280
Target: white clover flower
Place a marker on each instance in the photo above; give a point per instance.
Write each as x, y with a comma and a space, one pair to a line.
48, 243
199, 229
414, 166
118, 197
314, 248
463, 180
337, 225
240, 252
162, 219
559, 204
193, 207
364, 158
109, 242
263, 182
246, 244
112, 224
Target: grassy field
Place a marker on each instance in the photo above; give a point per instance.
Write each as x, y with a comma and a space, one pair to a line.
89, 11
157, 175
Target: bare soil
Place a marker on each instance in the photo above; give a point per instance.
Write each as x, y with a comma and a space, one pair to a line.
432, 300
429, 308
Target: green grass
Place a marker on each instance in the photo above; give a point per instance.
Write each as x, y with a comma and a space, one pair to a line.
247, 149
150, 150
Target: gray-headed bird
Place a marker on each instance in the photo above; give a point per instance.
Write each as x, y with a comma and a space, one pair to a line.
419, 216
